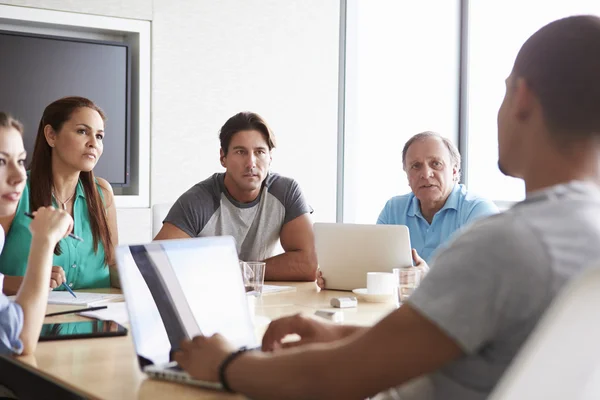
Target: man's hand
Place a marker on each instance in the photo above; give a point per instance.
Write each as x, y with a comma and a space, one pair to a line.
310, 331
202, 356
320, 279
420, 263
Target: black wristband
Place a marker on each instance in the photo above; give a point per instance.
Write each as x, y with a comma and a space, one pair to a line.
224, 365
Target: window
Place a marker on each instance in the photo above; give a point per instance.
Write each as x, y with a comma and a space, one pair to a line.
402, 66
497, 30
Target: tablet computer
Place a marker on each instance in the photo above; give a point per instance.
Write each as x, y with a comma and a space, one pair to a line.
81, 330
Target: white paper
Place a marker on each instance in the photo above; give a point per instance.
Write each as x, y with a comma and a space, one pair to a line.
269, 289
83, 298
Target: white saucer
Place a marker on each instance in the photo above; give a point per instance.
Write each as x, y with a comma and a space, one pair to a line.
372, 298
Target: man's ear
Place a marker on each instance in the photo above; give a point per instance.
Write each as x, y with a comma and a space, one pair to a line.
50, 135
222, 158
455, 176
523, 99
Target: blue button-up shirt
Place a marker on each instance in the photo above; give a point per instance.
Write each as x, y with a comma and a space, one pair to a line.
11, 319
11, 323
460, 209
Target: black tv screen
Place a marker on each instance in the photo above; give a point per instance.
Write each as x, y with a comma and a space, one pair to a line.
35, 70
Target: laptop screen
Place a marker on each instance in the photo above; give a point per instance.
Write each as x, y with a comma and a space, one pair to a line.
177, 289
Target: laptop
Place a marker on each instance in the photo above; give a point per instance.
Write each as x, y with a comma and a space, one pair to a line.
178, 289
346, 252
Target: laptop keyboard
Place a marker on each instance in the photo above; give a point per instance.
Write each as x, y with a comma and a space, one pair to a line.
175, 368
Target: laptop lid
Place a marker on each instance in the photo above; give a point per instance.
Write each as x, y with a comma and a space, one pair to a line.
177, 289
346, 252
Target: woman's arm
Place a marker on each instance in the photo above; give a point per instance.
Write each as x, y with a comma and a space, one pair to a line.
47, 228
111, 217
33, 294
12, 284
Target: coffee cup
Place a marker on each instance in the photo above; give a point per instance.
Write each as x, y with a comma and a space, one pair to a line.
380, 283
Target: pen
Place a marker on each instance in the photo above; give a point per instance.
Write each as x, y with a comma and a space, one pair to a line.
70, 234
69, 289
76, 311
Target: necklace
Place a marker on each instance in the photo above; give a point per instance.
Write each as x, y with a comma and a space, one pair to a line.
63, 203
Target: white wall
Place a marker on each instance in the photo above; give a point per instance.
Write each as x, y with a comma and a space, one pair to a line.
135, 9
212, 59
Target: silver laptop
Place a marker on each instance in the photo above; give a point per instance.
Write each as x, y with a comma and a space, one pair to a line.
178, 289
346, 252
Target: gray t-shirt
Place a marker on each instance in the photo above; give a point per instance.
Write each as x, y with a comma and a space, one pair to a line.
492, 284
207, 209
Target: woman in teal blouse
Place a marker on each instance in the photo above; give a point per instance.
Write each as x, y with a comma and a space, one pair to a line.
67, 147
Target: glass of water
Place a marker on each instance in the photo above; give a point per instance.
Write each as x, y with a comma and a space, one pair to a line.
408, 279
253, 273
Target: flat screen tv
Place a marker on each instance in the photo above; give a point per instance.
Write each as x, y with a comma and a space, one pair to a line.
36, 69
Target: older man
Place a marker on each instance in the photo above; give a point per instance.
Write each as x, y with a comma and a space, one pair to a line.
438, 205
463, 325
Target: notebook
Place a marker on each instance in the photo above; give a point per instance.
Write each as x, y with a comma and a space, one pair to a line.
84, 299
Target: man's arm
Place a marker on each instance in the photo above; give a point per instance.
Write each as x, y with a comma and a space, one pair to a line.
187, 215
383, 218
370, 361
299, 262
170, 231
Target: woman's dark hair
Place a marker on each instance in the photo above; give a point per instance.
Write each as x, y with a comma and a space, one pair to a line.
40, 177
7, 121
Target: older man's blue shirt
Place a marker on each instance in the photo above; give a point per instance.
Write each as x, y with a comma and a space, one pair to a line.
460, 209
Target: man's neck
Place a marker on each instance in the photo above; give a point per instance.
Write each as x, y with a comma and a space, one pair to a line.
581, 163
243, 196
429, 210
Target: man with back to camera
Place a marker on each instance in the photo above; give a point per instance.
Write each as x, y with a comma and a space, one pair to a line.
462, 327
255, 206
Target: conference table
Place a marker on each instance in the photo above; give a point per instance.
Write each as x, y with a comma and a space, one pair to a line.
107, 368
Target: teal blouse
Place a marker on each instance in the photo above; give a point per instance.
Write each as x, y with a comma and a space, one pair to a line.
83, 267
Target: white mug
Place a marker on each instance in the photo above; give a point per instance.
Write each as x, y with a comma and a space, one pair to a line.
380, 283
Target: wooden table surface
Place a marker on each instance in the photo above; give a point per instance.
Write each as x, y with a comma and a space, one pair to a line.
107, 368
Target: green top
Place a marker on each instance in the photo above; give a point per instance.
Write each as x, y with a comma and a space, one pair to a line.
83, 267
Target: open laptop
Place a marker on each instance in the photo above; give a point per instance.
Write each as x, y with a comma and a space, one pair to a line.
178, 289
346, 252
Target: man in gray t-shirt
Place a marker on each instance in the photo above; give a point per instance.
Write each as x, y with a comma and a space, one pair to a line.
459, 331
257, 207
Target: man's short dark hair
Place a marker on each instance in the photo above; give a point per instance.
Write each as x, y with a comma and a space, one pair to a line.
245, 121
561, 64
